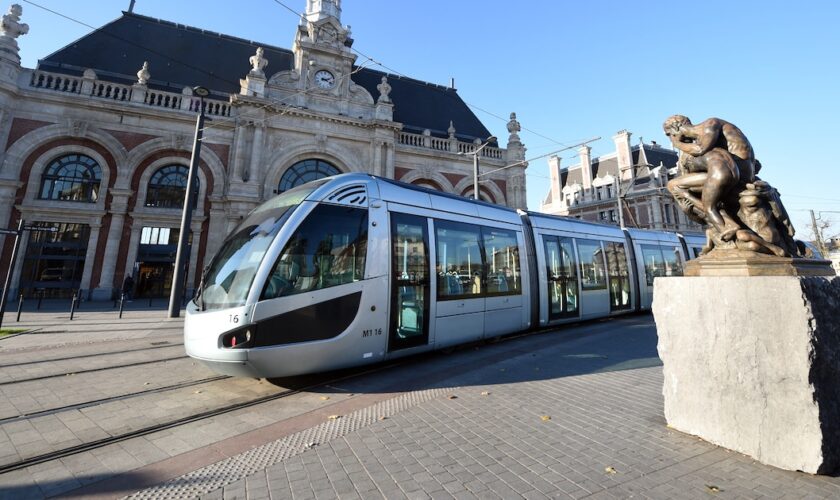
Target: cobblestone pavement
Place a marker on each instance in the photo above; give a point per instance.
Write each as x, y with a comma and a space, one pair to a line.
575, 413
560, 422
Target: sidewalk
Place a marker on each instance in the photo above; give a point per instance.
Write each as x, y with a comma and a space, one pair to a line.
573, 414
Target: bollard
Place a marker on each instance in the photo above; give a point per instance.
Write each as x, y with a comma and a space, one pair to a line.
79, 298
20, 306
150, 301
40, 298
73, 306
122, 301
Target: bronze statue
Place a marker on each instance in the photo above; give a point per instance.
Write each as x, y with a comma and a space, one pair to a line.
718, 187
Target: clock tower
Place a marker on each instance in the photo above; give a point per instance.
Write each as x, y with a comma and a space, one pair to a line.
323, 58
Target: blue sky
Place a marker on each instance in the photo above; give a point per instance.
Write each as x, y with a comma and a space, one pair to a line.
573, 70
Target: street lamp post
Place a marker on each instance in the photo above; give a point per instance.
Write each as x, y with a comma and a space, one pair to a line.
475, 164
181, 258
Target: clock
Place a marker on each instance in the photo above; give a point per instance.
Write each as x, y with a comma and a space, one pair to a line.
324, 79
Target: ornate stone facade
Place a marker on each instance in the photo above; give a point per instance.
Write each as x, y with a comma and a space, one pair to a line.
96, 151
639, 174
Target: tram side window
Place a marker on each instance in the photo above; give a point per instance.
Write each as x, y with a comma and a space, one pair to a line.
328, 249
619, 276
673, 260
459, 263
502, 251
593, 273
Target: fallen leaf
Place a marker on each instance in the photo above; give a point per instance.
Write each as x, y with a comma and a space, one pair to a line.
383, 417
452, 396
147, 383
197, 392
610, 470
485, 393
334, 417
310, 445
712, 488
545, 418
324, 398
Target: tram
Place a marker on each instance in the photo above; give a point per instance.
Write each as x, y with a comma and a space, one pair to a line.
356, 269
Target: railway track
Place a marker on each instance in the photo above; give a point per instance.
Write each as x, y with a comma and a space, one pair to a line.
155, 345
122, 397
151, 429
92, 370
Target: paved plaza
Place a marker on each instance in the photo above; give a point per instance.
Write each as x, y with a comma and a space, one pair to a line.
574, 413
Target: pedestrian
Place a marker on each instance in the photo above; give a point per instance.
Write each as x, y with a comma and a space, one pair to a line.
128, 287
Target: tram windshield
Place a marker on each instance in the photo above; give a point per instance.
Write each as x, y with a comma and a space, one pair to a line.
228, 278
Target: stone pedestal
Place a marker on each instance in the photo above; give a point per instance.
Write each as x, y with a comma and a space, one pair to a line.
752, 363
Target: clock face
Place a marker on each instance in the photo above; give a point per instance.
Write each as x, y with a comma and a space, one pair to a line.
324, 79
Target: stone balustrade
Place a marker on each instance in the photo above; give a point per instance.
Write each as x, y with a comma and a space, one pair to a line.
83, 85
426, 141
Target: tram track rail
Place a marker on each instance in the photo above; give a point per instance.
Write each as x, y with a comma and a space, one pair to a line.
94, 355
151, 429
110, 399
100, 443
92, 370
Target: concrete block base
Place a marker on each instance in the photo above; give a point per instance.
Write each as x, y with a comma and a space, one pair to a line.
753, 364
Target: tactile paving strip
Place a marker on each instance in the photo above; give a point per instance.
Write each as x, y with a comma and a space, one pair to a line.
227, 471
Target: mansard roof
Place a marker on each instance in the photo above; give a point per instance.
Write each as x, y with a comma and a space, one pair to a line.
182, 56
608, 164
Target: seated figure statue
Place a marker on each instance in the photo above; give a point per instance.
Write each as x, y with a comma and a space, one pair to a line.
718, 187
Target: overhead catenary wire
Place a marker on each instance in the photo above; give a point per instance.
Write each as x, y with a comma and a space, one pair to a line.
271, 105
266, 106
398, 73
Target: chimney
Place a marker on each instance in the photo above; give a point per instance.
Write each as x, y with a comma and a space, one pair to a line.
554, 173
624, 156
586, 167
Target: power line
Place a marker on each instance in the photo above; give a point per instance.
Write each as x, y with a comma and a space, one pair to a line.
398, 73
266, 106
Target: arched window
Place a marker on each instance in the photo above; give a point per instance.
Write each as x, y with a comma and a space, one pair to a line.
168, 186
73, 177
482, 195
305, 171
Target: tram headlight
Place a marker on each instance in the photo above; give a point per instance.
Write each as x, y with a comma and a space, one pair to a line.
240, 338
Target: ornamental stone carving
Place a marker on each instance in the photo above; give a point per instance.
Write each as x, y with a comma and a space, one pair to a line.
513, 128
11, 27
143, 75
258, 63
384, 89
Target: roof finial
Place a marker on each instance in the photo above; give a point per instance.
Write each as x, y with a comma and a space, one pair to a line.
143, 75
131, 7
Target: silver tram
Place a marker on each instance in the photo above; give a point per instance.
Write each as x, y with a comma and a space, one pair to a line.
356, 269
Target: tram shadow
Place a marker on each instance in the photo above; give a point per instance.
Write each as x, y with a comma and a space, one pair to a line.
589, 347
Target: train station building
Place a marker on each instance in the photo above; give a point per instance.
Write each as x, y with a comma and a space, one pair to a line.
96, 141
630, 182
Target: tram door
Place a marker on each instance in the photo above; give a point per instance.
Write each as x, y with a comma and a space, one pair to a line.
561, 271
410, 282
